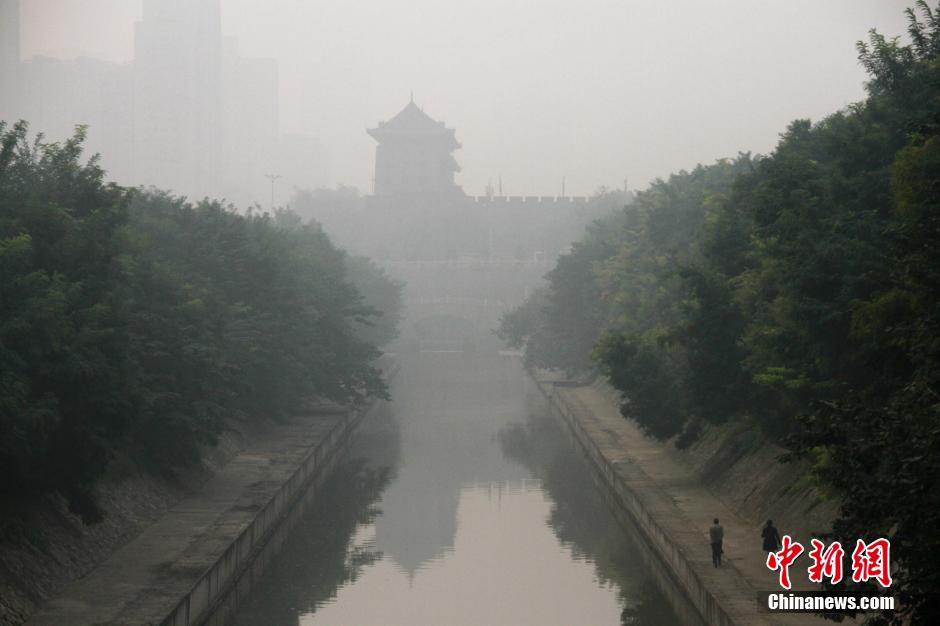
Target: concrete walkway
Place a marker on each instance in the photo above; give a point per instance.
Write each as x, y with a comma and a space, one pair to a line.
681, 508
142, 582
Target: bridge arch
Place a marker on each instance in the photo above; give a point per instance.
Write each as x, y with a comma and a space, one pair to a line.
452, 323
450, 304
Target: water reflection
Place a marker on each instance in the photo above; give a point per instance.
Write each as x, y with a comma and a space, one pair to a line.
463, 504
318, 557
579, 517
450, 410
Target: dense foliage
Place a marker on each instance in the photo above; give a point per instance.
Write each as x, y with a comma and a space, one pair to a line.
799, 292
136, 322
559, 326
382, 294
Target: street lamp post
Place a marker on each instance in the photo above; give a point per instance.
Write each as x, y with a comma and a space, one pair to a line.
273, 178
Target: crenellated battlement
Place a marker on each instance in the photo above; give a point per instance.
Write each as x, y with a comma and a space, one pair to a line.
418, 215
554, 200
400, 202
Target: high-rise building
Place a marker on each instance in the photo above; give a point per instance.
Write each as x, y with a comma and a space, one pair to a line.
178, 96
56, 96
414, 155
189, 114
250, 125
9, 58
302, 162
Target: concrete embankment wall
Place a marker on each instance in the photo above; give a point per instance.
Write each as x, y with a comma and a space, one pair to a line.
210, 593
62, 549
744, 469
226, 604
670, 497
645, 514
215, 595
182, 568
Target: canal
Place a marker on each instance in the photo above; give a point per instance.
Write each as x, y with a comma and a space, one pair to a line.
462, 501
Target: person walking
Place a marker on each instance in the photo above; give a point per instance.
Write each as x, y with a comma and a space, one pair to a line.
716, 534
771, 537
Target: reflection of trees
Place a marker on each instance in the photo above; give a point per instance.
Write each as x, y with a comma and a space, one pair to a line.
319, 557
580, 518
450, 409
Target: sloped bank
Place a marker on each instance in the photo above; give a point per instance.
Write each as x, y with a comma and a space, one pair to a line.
182, 569
668, 497
215, 593
60, 548
743, 468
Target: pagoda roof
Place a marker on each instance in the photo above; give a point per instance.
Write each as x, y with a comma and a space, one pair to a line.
410, 121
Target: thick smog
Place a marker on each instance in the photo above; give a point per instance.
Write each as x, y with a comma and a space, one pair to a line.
497, 312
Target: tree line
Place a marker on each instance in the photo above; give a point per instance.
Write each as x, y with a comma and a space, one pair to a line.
798, 292
137, 323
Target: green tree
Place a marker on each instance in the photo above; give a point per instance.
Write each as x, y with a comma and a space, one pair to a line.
61, 340
136, 322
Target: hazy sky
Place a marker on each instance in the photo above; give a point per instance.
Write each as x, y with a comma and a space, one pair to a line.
593, 90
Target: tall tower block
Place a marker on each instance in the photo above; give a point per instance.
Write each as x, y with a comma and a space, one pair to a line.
9, 59
414, 155
178, 96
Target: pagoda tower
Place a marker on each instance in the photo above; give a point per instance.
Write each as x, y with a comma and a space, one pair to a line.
414, 155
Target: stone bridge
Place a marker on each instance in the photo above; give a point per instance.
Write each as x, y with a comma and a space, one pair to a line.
455, 304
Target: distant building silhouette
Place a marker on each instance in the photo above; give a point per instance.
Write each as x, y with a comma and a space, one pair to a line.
9, 57
189, 114
57, 95
465, 260
178, 95
418, 212
414, 155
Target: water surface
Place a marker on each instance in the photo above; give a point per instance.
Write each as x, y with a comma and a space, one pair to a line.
461, 502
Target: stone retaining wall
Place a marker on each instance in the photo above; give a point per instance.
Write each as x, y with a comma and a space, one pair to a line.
644, 511
210, 591
215, 595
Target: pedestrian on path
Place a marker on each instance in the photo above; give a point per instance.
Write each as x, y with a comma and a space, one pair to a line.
771, 537
717, 534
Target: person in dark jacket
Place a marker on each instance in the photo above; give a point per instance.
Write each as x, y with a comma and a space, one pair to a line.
771, 537
716, 535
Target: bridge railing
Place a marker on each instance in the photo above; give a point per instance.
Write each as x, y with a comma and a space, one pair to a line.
458, 301
473, 263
